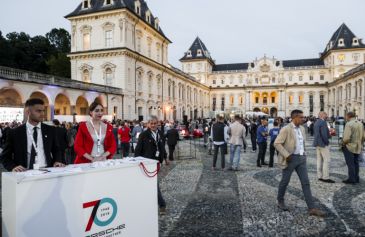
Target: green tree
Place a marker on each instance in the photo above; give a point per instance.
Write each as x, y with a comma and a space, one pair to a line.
6, 52
60, 39
60, 65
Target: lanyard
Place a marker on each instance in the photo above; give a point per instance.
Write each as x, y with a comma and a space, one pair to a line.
98, 136
155, 136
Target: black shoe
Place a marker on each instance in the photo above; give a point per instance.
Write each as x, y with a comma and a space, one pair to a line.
271, 166
258, 165
282, 206
320, 179
328, 181
264, 163
347, 182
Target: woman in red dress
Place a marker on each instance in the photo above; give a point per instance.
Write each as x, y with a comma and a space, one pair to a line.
95, 139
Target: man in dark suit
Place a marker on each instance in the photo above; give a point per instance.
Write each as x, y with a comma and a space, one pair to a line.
321, 143
172, 137
32, 145
61, 134
150, 145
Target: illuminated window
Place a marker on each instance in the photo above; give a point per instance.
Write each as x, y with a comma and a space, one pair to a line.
300, 99
231, 100
86, 41
291, 98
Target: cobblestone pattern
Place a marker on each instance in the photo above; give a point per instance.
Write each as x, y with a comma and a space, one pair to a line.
243, 203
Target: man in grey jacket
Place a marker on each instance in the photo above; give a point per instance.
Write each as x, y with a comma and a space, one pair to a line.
321, 143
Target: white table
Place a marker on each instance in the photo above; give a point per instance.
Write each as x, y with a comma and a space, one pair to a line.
118, 194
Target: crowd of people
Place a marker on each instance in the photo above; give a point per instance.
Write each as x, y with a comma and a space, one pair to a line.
34, 145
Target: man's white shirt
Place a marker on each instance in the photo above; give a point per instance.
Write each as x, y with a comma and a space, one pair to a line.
41, 157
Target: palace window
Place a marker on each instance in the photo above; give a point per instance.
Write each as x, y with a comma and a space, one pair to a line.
321, 101
148, 16
138, 44
86, 4
300, 99
109, 38
341, 42
291, 98
264, 100
149, 50
311, 104
108, 77
199, 53
214, 82
321, 77
214, 104
256, 99
311, 77
273, 100
300, 78
290, 77
355, 42
157, 23
86, 75
222, 103
86, 41
108, 2
188, 53
231, 100
137, 7
241, 100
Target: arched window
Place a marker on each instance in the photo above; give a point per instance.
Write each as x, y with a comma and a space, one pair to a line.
85, 75
86, 41
109, 76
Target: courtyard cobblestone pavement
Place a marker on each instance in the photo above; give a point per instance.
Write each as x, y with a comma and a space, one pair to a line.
202, 202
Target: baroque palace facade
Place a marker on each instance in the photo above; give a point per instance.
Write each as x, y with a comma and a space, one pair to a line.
334, 82
119, 54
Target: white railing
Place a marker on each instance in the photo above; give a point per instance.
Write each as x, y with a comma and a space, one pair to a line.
26, 76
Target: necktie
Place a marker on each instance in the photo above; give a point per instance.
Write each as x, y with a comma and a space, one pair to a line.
33, 152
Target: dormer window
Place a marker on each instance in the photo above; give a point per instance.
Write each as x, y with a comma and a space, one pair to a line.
341, 43
108, 2
148, 16
157, 23
137, 7
355, 41
199, 53
86, 4
188, 54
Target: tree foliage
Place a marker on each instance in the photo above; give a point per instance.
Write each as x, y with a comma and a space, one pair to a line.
44, 54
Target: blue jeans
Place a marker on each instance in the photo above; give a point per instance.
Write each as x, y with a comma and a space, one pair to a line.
352, 162
235, 149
